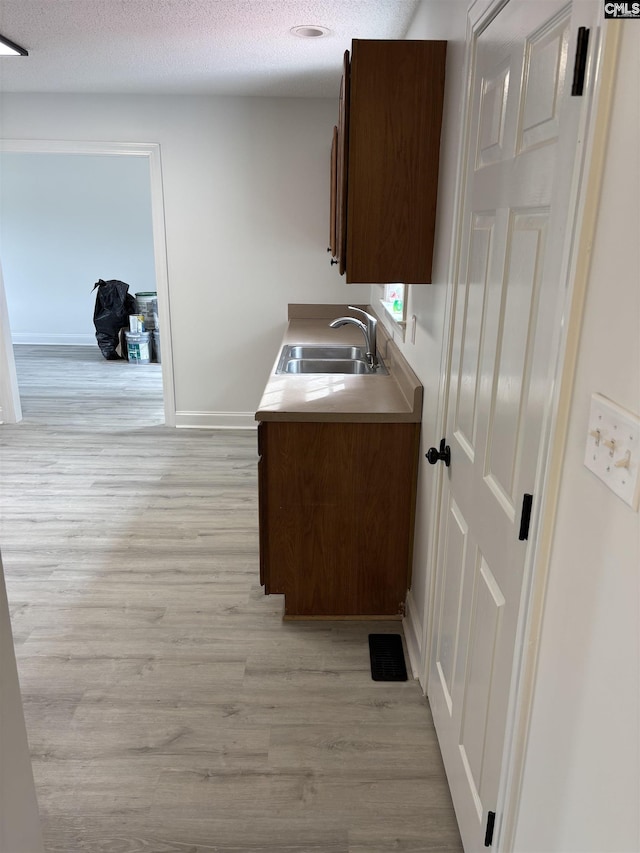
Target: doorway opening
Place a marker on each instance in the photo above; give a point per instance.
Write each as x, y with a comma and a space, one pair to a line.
74, 213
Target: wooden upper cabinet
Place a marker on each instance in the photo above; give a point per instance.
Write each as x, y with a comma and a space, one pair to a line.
388, 146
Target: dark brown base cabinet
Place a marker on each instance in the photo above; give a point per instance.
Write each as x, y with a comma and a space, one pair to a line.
337, 507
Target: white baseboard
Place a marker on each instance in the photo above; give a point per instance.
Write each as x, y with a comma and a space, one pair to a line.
412, 634
215, 420
46, 339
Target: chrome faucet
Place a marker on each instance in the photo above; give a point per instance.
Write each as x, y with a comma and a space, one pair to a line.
368, 329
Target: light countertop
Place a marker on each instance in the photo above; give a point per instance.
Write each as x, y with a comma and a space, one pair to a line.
396, 397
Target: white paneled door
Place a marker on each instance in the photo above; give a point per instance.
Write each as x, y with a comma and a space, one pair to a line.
522, 157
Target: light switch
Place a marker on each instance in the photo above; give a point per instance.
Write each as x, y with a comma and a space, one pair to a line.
613, 448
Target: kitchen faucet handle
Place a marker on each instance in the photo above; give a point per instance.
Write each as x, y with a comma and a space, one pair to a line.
369, 317
371, 324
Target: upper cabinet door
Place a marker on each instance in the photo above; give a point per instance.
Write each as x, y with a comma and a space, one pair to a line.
343, 165
333, 220
388, 152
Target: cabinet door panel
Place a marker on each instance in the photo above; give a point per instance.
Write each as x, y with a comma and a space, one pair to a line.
343, 166
263, 521
333, 195
340, 517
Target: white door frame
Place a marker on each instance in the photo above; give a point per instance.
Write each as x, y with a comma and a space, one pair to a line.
10, 408
117, 149
603, 51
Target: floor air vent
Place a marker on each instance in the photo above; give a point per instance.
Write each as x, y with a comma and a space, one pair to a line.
387, 657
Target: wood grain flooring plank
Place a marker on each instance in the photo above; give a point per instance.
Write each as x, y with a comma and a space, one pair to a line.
231, 835
356, 747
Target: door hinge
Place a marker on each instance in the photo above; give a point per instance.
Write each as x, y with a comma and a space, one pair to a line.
488, 836
525, 518
580, 67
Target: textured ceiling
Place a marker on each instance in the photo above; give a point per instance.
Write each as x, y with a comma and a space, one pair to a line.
227, 47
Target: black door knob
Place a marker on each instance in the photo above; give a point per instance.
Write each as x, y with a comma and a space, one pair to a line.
333, 261
443, 455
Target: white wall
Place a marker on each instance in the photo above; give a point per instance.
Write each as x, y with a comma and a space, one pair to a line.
246, 192
19, 821
581, 787
67, 220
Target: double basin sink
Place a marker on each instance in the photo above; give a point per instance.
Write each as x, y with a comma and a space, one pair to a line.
308, 358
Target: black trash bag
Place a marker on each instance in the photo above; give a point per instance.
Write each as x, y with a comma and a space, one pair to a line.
113, 305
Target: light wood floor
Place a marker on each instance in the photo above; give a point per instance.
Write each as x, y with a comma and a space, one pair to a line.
169, 708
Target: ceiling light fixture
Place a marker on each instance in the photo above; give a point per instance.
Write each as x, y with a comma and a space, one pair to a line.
10, 48
309, 31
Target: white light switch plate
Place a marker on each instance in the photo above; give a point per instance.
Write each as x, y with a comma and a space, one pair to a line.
613, 448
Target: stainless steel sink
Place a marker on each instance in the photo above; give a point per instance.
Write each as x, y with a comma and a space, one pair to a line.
304, 358
327, 365
312, 351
